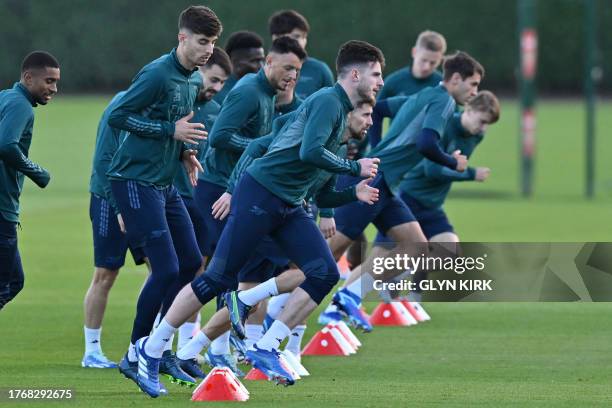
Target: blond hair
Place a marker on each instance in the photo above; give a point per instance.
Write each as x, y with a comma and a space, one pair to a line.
431, 41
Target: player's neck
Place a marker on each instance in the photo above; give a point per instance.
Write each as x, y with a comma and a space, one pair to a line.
351, 91
180, 54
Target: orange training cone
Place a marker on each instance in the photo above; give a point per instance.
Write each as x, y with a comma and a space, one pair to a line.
387, 314
324, 343
343, 267
346, 337
220, 385
256, 374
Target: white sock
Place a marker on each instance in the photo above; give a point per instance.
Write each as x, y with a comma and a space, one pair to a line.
168, 346
157, 340
294, 344
221, 345
185, 334
194, 347
260, 292
331, 308
132, 353
362, 286
254, 332
276, 304
274, 336
157, 320
92, 340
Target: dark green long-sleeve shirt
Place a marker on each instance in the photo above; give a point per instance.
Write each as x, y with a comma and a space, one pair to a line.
429, 109
323, 190
246, 114
161, 93
403, 83
16, 123
314, 75
107, 142
305, 146
205, 112
429, 182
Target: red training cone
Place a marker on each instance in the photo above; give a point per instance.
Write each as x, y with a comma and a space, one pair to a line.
347, 337
256, 374
220, 385
343, 267
387, 314
324, 343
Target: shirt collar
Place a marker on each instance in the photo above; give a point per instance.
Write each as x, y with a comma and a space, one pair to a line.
263, 80
179, 66
21, 88
346, 102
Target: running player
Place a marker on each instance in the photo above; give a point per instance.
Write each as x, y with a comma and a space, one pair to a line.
40, 74
155, 113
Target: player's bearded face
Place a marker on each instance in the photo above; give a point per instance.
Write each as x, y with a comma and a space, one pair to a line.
360, 120
42, 83
214, 78
370, 80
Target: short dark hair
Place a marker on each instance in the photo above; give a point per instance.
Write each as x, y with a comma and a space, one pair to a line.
486, 102
39, 59
285, 21
286, 45
241, 40
220, 58
463, 64
200, 20
365, 101
357, 52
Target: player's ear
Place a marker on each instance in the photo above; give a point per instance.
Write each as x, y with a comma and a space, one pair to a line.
355, 74
413, 52
182, 36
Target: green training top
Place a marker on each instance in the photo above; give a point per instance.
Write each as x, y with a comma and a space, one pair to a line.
429, 109
306, 146
323, 190
205, 112
246, 114
161, 93
429, 182
229, 84
403, 83
314, 75
16, 122
107, 141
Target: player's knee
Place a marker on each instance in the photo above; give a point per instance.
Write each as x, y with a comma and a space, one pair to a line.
321, 276
105, 277
206, 289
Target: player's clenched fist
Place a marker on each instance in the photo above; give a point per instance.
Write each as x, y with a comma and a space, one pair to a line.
369, 166
188, 132
462, 161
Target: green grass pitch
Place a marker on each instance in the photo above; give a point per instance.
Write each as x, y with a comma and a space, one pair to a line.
485, 355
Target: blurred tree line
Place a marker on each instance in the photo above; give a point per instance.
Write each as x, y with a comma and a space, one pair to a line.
102, 44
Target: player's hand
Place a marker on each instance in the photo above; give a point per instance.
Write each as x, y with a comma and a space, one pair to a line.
482, 173
121, 224
462, 161
366, 193
188, 132
192, 166
369, 166
327, 227
221, 207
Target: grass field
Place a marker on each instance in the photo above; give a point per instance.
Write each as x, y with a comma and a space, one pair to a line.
468, 355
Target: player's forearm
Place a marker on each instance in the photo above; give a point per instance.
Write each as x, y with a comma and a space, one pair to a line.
11, 155
427, 144
332, 199
229, 139
140, 125
326, 160
441, 173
